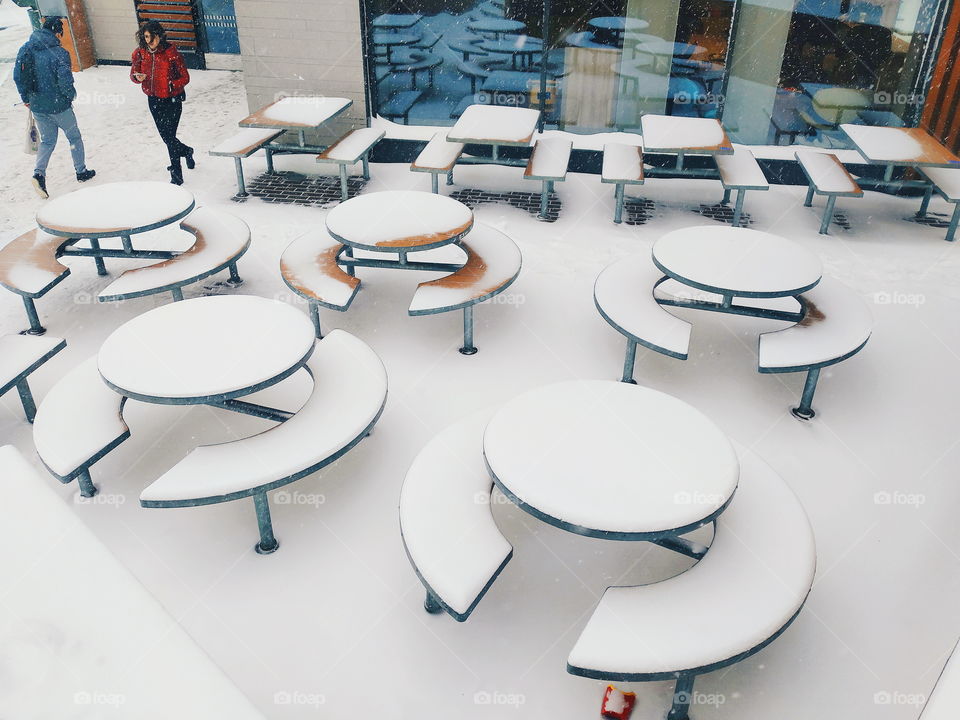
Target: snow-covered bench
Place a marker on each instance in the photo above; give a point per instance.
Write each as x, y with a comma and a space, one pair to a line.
309, 268
74, 602
242, 145
398, 105
624, 295
472, 71
826, 175
836, 325
29, 267
20, 355
622, 165
220, 240
493, 263
439, 156
943, 703
741, 172
78, 423
448, 530
946, 183
740, 597
349, 392
347, 151
416, 62
548, 164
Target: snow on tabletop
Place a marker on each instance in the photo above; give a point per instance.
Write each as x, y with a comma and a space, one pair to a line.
353, 145
206, 346
395, 219
493, 259
943, 703
837, 321
622, 162
76, 419
302, 111
350, 387
118, 206
663, 132
18, 352
550, 158
751, 582
309, 265
741, 168
947, 179
439, 153
111, 649
826, 172
243, 140
624, 292
883, 143
492, 124
220, 236
737, 260
612, 457
449, 533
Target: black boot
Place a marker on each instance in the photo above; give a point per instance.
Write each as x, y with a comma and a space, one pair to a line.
187, 154
176, 173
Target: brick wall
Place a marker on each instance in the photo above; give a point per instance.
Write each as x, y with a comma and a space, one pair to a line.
112, 24
302, 47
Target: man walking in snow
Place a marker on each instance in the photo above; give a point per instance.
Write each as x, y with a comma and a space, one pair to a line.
45, 82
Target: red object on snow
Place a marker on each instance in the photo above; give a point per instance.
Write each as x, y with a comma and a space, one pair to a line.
616, 704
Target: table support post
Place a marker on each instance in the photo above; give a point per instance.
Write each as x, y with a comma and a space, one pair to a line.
435, 183
928, 193
628, 362
35, 327
888, 174
727, 301
805, 411
468, 346
450, 176
343, 182
97, 260
738, 208
544, 196
828, 214
268, 543
618, 207
431, 605
87, 488
241, 187
809, 201
682, 694
235, 279
177, 293
315, 316
726, 197
680, 161
26, 399
269, 154
495, 152
127, 243
351, 270
301, 137
365, 160
954, 220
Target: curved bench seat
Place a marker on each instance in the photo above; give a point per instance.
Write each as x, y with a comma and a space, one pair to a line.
20, 355
741, 596
29, 267
350, 389
448, 531
78, 422
493, 263
624, 295
220, 240
836, 325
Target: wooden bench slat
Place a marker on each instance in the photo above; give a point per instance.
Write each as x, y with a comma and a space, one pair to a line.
439, 156
29, 264
245, 142
827, 173
352, 146
622, 164
549, 160
946, 181
309, 268
741, 171
20, 355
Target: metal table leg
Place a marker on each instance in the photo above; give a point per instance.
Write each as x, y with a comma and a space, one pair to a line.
268, 543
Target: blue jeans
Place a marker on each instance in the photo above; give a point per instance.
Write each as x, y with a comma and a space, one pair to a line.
50, 126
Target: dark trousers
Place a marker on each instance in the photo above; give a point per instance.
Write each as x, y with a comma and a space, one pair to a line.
166, 115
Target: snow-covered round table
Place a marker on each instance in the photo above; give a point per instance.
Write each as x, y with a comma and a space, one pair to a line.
611, 460
206, 350
737, 262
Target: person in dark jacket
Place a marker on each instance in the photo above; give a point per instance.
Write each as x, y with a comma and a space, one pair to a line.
45, 83
158, 67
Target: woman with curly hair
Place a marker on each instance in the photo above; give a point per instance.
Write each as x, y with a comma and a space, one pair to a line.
158, 67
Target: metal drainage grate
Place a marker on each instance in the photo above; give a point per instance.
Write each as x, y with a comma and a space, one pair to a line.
724, 214
523, 201
290, 187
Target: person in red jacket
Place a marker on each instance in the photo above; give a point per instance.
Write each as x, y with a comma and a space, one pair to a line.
158, 67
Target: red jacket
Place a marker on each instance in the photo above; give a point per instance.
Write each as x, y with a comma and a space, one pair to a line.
166, 73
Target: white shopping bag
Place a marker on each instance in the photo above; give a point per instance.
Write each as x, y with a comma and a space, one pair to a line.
33, 135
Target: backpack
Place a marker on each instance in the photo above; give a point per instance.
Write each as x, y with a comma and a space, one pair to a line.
28, 73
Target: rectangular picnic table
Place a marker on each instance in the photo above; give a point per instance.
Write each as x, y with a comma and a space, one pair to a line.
299, 114
495, 126
680, 136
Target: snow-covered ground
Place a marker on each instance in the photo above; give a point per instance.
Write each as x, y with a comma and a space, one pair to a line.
332, 625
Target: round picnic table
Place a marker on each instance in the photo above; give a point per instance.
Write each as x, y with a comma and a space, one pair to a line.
206, 350
737, 262
399, 221
611, 460
118, 209
521, 46
617, 24
392, 39
496, 26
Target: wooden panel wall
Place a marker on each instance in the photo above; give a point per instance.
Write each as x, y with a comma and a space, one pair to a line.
940, 111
